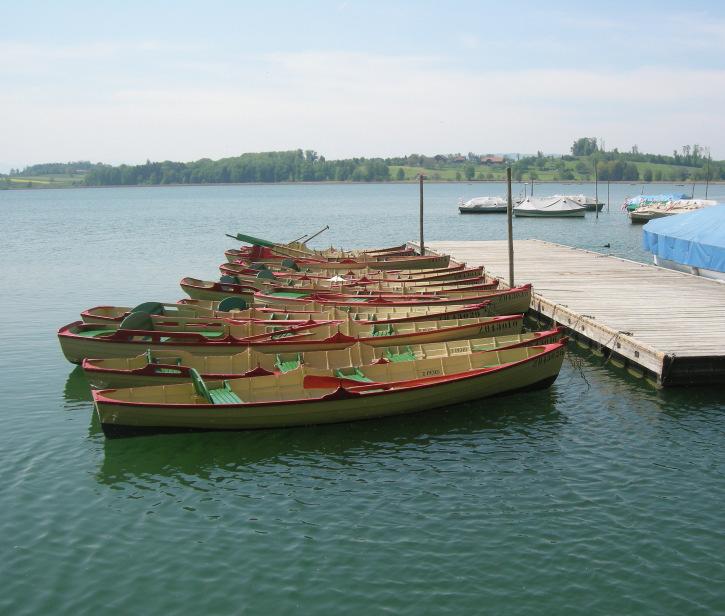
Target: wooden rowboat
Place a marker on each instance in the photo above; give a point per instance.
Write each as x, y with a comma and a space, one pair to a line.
240, 274
308, 285
79, 340
416, 262
509, 301
451, 274
169, 367
207, 289
306, 397
204, 311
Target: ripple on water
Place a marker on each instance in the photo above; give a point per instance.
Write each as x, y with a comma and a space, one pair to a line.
598, 495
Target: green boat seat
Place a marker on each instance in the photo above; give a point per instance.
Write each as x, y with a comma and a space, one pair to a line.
150, 307
352, 373
383, 330
290, 264
137, 320
232, 303
265, 274
200, 386
258, 266
406, 355
224, 395
227, 279
286, 364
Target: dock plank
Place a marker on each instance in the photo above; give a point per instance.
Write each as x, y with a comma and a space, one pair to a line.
668, 323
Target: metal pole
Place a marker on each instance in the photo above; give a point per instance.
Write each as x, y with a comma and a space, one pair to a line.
607, 196
509, 216
596, 191
422, 245
707, 177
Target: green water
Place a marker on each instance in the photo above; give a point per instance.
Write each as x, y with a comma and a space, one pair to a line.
599, 495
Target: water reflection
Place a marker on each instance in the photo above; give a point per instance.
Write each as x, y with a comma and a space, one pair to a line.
76, 387
532, 415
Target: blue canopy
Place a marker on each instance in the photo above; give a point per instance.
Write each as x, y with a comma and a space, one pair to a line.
695, 238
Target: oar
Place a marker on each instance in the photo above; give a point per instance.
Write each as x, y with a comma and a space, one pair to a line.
312, 237
298, 239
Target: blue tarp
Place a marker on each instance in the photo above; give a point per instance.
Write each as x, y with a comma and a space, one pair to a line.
696, 238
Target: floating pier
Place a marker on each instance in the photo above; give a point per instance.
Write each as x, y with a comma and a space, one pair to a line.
667, 326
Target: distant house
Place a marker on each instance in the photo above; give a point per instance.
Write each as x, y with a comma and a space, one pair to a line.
459, 159
492, 160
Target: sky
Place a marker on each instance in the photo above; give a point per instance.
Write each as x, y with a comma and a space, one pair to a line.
122, 82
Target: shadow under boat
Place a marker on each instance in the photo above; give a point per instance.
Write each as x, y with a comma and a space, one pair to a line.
203, 454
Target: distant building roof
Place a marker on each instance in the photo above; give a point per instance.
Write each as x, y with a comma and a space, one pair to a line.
492, 160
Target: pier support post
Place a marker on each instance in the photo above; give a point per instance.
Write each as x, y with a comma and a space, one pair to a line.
422, 246
509, 216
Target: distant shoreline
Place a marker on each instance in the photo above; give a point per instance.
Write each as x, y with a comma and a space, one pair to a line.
341, 183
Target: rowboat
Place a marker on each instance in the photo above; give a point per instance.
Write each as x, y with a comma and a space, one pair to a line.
338, 285
207, 289
206, 311
305, 397
79, 340
300, 249
509, 301
210, 290
241, 274
415, 262
160, 311
169, 367
448, 274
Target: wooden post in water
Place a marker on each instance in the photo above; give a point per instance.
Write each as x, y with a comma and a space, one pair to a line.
422, 246
509, 216
596, 191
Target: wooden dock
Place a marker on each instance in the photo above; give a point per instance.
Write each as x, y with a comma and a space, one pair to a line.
668, 325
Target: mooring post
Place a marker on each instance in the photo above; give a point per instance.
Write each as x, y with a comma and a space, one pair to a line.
607, 196
422, 245
596, 191
510, 216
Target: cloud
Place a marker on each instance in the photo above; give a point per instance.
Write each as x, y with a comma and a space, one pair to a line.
344, 104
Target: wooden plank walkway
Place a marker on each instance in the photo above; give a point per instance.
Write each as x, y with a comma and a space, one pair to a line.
671, 325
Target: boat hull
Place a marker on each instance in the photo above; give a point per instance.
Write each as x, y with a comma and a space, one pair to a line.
496, 209
539, 214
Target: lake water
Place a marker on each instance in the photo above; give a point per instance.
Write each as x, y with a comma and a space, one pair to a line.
599, 495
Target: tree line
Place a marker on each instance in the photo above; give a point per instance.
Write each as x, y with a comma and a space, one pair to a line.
291, 166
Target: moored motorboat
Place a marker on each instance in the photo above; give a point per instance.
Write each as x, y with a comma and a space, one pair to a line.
169, 367
535, 207
306, 397
648, 212
589, 202
483, 205
693, 243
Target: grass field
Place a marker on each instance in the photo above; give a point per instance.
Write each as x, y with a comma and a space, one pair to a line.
41, 181
549, 169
